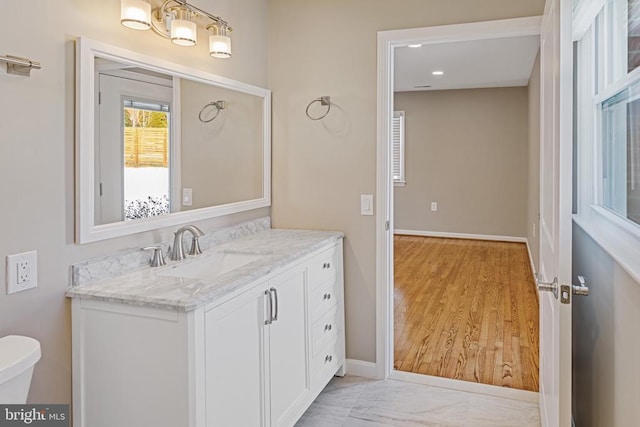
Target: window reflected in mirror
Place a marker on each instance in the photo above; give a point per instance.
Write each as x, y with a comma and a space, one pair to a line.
146, 159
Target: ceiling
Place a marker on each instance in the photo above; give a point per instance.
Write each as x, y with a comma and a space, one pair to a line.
502, 62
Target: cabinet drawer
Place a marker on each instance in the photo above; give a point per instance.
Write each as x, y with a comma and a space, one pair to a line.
323, 268
322, 299
326, 362
324, 331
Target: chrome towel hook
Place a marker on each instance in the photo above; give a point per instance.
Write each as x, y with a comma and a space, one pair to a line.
323, 100
218, 105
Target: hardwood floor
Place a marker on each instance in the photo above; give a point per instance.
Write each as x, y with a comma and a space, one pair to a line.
467, 310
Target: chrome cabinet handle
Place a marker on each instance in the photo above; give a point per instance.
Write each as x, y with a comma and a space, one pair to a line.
269, 308
328, 327
326, 296
326, 265
328, 358
274, 292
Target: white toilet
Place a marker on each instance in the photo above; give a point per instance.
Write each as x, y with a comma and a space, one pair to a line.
18, 356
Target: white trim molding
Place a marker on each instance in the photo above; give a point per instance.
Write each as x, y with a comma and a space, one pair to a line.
361, 368
387, 42
467, 386
447, 235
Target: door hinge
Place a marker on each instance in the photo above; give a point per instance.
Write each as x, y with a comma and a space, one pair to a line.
386, 225
101, 189
99, 98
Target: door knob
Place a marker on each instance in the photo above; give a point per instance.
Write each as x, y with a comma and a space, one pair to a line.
582, 288
565, 290
547, 286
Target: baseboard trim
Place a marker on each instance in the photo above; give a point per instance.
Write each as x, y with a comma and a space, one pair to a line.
533, 270
460, 235
488, 390
361, 368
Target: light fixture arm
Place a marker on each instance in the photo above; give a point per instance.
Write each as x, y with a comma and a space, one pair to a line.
160, 16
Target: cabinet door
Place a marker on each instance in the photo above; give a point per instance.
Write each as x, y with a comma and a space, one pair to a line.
234, 360
289, 377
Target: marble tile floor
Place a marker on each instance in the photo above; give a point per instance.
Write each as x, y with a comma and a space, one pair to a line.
358, 402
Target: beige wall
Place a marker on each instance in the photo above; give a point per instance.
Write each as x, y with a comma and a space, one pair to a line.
606, 373
320, 168
37, 160
533, 205
467, 150
221, 159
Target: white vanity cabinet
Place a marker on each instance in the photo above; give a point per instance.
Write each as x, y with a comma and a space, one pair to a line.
257, 358
256, 345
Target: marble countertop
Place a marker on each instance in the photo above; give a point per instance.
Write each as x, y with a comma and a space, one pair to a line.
275, 248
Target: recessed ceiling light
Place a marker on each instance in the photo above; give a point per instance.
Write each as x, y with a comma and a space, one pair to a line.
437, 73
415, 45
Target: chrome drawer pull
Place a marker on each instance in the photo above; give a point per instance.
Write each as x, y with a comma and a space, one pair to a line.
326, 296
269, 307
328, 359
328, 327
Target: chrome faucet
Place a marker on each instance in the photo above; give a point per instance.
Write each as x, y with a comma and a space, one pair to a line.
177, 251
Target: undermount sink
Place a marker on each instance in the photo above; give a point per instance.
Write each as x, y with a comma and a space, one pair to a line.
210, 266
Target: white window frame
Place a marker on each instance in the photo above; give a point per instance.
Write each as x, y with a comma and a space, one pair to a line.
619, 237
400, 143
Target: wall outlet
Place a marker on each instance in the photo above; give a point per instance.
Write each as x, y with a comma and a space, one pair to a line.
434, 206
22, 272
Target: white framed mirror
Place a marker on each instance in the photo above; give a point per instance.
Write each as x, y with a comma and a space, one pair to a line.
160, 144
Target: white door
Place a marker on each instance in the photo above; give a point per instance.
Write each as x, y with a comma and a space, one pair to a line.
555, 211
110, 182
289, 378
235, 361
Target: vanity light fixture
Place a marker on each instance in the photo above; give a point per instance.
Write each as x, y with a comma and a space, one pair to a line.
219, 41
178, 21
415, 45
135, 14
437, 73
184, 31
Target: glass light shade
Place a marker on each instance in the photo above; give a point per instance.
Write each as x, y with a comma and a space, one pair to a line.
219, 46
135, 14
183, 32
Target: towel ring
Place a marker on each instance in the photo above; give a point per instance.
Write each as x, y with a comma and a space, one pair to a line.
218, 105
323, 100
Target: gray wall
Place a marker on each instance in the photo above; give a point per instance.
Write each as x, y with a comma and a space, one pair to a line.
533, 181
320, 168
606, 373
37, 160
221, 159
467, 150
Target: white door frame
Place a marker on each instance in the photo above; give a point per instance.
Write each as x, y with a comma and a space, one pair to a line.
387, 41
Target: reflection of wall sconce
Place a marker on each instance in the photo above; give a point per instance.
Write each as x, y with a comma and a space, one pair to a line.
176, 20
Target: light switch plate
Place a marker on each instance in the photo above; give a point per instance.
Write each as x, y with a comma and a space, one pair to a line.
366, 204
187, 197
22, 272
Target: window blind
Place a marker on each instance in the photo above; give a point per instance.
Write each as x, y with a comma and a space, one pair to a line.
397, 142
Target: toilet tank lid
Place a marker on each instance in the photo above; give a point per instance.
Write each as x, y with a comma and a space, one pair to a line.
17, 354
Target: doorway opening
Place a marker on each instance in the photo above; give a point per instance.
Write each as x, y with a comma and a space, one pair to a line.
457, 235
